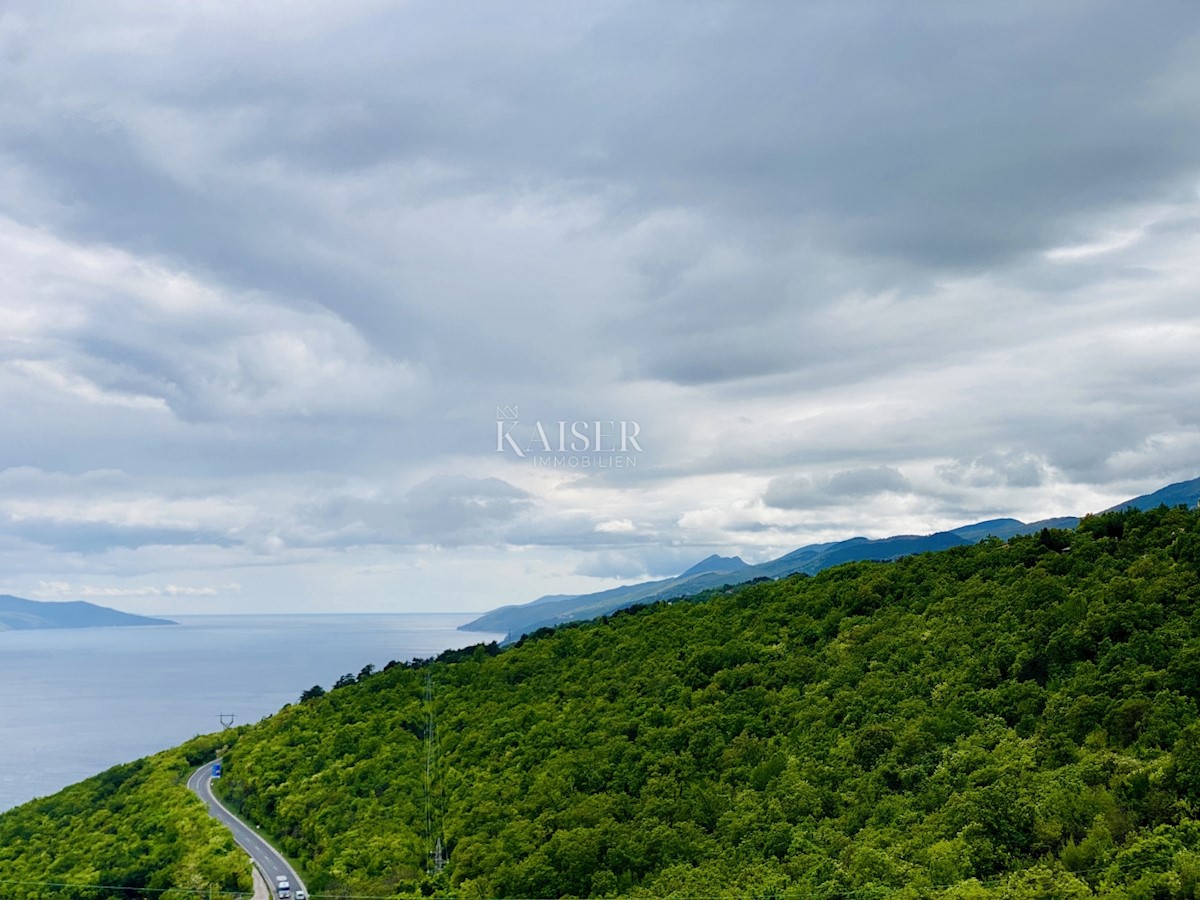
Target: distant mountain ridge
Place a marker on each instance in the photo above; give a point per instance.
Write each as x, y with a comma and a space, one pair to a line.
1183, 492
717, 571
716, 563
18, 614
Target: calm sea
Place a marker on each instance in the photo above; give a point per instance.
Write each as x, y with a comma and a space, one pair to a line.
74, 702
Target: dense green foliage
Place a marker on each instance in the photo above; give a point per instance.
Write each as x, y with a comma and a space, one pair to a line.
135, 828
1012, 719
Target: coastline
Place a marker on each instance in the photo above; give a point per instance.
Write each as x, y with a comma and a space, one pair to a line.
93, 698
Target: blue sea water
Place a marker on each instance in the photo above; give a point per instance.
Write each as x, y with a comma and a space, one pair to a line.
75, 701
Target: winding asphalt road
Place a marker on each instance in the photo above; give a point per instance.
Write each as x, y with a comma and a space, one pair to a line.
266, 857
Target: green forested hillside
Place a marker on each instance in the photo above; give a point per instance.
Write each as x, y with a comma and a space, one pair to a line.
1012, 719
134, 829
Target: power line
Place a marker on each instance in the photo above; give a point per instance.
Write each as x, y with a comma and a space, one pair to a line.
200, 892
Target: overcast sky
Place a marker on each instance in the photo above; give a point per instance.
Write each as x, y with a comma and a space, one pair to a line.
270, 271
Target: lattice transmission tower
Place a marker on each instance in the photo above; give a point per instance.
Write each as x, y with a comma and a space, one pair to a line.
435, 797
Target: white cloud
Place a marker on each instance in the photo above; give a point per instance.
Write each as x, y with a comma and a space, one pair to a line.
1107, 244
615, 526
82, 388
65, 589
107, 327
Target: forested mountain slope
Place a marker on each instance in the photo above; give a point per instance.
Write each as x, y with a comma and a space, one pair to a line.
135, 830
1009, 719
1006, 719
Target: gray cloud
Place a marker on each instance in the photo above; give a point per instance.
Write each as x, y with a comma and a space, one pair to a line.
448, 510
266, 279
100, 537
1009, 469
802, 491
614, 565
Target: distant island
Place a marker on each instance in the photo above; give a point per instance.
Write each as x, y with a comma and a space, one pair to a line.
17, 614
